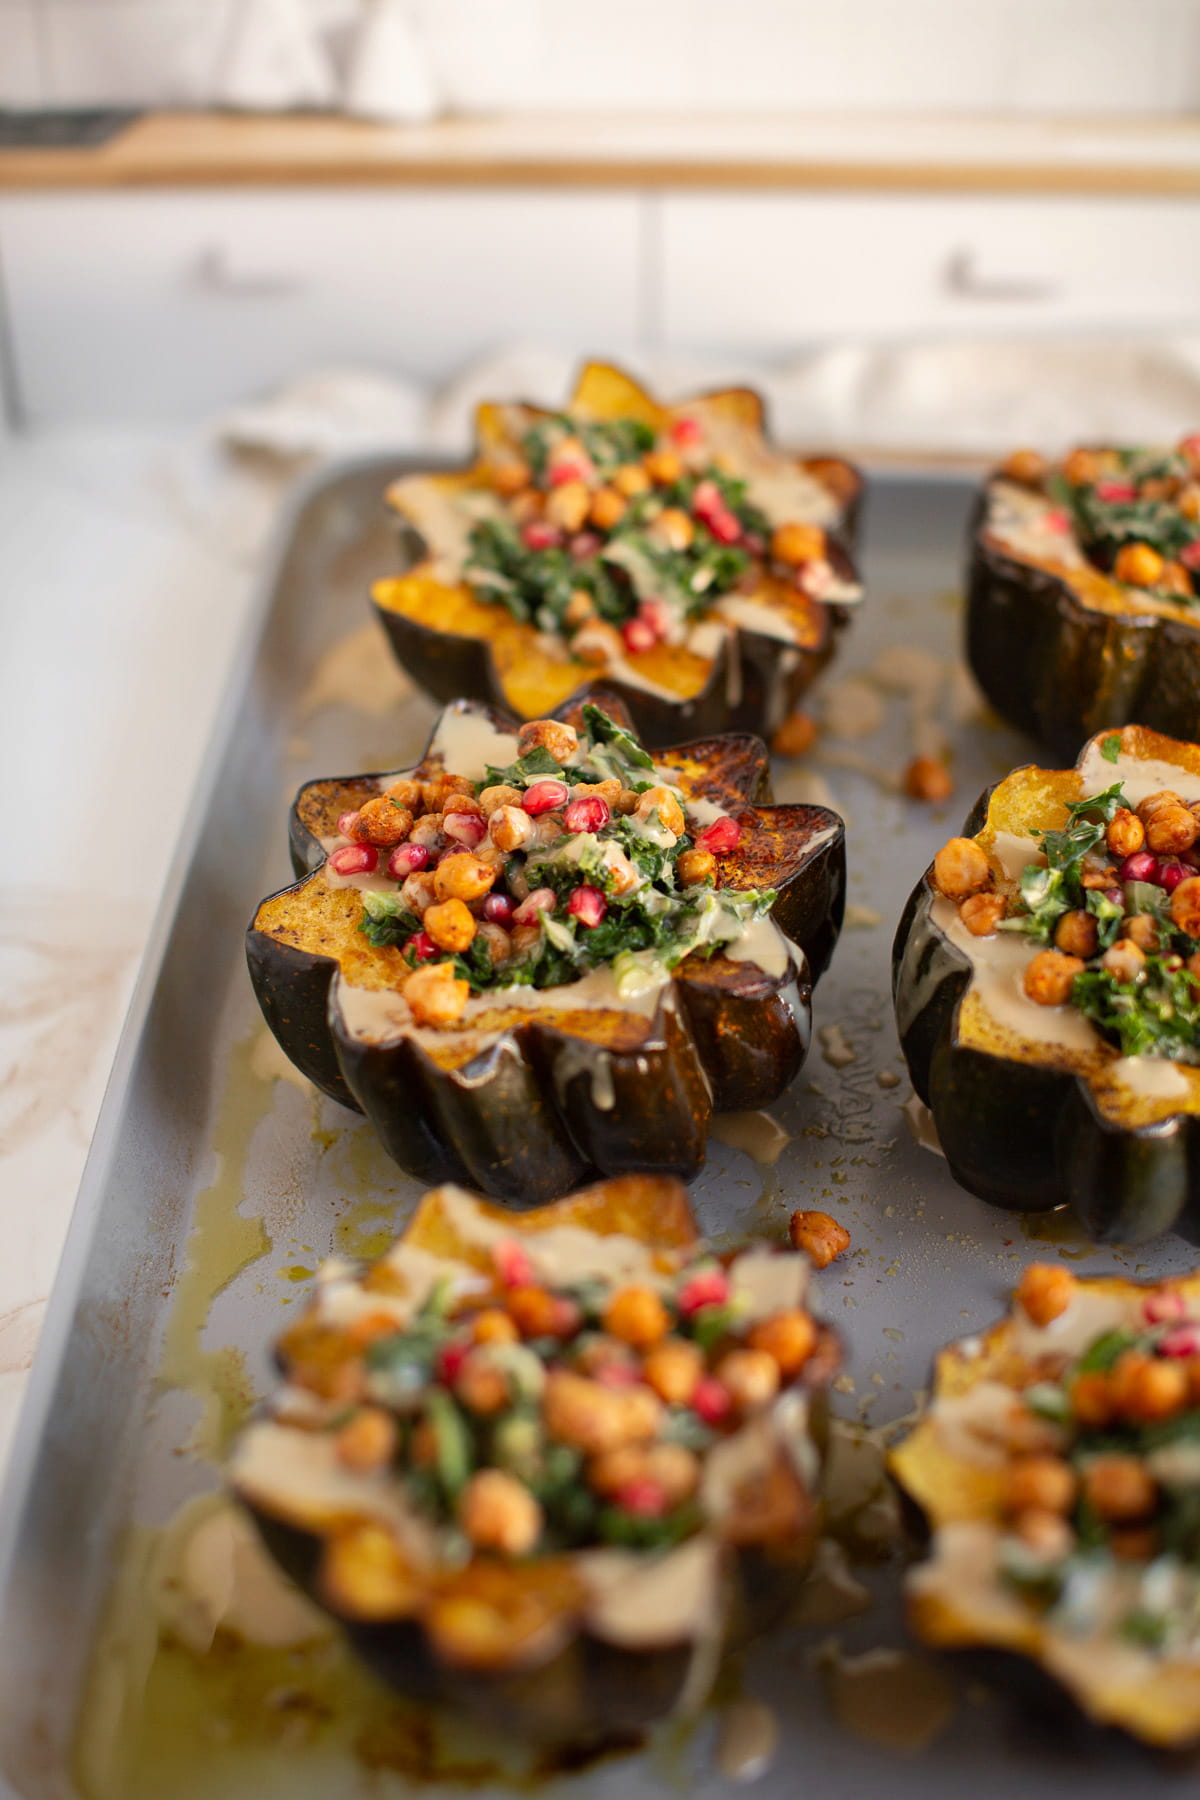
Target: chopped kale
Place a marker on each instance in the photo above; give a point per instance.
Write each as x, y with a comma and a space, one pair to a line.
386, 919
1156, 1014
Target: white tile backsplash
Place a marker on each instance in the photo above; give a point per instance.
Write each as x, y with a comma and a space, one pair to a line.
20, 67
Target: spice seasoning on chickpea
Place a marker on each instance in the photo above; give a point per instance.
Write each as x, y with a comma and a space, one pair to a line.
530, 1404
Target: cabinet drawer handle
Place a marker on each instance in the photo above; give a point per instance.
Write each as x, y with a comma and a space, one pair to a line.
212, 273
962, 279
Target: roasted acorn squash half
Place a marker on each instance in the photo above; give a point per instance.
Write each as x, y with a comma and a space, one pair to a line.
539, 1466
519, 1089
593, 538
1081, 602
1056, 1468
1048, 1014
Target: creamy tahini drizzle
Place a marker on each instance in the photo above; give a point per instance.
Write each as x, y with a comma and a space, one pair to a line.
998, 963
633, 1599
469, 744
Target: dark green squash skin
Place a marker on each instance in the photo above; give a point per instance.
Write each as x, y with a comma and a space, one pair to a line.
1025, 1137
528, 1118
449, 667
1062, 671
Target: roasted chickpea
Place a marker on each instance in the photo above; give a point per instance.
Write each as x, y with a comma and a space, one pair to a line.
630, 480
367, 1441
560, 740
1188, 501
450, 924
637, 1316
1092, 1400
481, 1383
1156, 1389
1135, 1543
498, 941
1124, 959
664, 802
526, 506
525, 938
509, 827
819, 1236
673, 528
672, 1368
1046, 1534
1119, 1488
1039, 1484
406, 793
663, 467
509, 475
928, 778
435, 995
494, 1326
612, 1470
535, 1311
597, 644
1025, 1434
1138, 564
1083, 467
627, 802
795, 543
640, 1414
1142, 929
796, 736
1045, 1291
1050, 976
567, 505
417, 891
607, 508
1025, 467
458, 878
498, 1513
493, 798
382, 822
752, 1378
1192, 965
1185, 906
675, 1468
1152, 803
982, 913
1078, 934
1175, 579
1126, 833
695, 867
961, 868
579, 608
435, 790
461, 803
790, 1337
1172, 830
583, 1413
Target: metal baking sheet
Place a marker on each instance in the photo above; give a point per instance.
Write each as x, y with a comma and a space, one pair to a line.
215, 1186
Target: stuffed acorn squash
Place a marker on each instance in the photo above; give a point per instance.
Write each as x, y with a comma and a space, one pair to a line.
542, 955
532, 1464
1047, 986
1058, 1467
666, 550
1082, 604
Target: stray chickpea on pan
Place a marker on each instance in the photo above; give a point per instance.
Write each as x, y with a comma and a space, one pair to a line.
1055, 1465
1049, 969
513, 1454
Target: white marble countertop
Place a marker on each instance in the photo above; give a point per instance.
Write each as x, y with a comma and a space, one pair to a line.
118, 615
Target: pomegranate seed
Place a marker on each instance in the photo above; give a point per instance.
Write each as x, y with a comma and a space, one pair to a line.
711, 1400
1115, 490
1115, 896
568, 468
1184, 1340
422, 946
644, 1497
657, 615
686, 432
707, 501
725, 527
723, 835
588, 905
346, 824
584, 544
618, 1374
756, 545
1190, 446
1169, 875
465, 828
1056, 520
589, 813
512, 1263
568, 1317
1138, 867
450, 1359
407, 859
498, 909
537, 535
1163, 1305
707, 1287
355, 859
541, 900
544, 796
637, 635
1189, 556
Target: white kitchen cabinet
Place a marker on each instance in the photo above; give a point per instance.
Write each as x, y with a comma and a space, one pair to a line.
770, 273
172, 304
